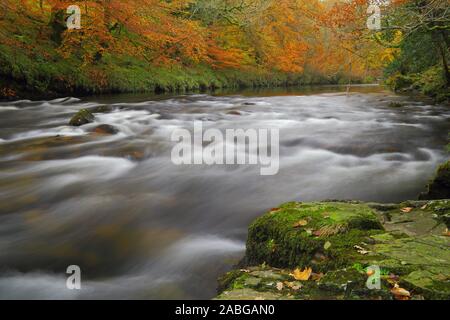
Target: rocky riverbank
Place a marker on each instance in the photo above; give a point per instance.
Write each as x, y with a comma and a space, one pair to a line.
326, 250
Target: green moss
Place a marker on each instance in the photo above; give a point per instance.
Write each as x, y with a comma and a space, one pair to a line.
82, 117
274, 239
418, 258
226, 281
434, 284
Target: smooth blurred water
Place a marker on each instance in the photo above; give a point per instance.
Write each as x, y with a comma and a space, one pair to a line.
141, 227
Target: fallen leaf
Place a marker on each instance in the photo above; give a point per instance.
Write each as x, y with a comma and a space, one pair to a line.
400, 293
370, 272
424, 207
302, 275
327, 245
293, 285
309, 232
330, 230
300, 223
280, 286
274, 210
447, 233
361, 250
317, 276
406, 210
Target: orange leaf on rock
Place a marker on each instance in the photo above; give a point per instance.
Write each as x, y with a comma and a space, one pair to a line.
400, 293
302, 275
300, 223
407, 210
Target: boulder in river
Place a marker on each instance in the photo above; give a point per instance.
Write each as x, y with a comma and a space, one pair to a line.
439, 186
327, 250
82, 117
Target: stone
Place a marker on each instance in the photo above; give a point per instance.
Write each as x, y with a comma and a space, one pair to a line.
412, 253
82, 117
106, 129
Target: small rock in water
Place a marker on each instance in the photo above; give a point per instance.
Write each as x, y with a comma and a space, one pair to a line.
102, 109
83, 117
394, 104
234, 112
106, 129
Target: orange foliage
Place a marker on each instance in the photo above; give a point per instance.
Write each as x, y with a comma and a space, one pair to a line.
290, 36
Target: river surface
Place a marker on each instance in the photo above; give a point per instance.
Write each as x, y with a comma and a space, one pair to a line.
141, 227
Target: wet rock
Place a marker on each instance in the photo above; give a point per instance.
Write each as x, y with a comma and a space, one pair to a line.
410, 250
83, 117
234, 113
395, 104
101, 109
45, 148
439, 187
106, 129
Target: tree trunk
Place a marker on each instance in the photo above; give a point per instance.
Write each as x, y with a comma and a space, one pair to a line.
444, 63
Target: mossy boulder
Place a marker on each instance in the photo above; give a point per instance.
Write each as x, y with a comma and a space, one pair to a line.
439, 187
339, 241
82, 117
298, 234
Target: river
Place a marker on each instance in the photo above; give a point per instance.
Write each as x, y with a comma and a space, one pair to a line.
141, 227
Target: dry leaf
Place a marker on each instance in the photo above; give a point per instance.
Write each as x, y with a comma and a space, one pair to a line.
293, 285
302, 275
327, 245
361, 250
424, 207
400, 293
447, 233
280, 286
300, 223
407, 210
274, 210
331, 230
317, 276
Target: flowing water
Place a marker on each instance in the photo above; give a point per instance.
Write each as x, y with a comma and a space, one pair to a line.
141, 227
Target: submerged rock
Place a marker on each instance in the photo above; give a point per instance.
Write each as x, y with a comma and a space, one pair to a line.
106, 129
234, 113
394, 104
439, 187
82, 117
339, 241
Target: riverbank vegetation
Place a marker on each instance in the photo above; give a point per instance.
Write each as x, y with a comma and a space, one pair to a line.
154, 45
422, 60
